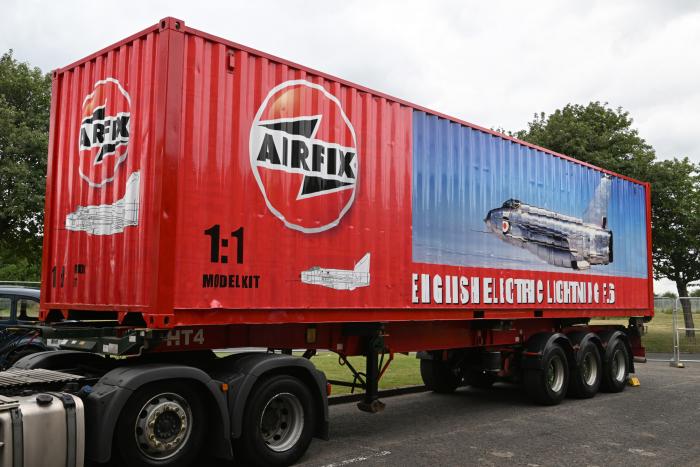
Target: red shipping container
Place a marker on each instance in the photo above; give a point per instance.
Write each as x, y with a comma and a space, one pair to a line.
196, 181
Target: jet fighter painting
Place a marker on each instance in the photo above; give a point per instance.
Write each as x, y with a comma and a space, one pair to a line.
558, 239
339, 279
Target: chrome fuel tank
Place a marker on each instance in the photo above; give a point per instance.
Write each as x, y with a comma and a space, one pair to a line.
42, 430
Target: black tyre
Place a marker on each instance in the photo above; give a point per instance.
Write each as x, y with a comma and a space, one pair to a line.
438, 376
278, 422
615, 367
547, 386
586, 377
163, 424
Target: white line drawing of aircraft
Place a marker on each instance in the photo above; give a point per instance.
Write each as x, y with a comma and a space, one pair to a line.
339, 279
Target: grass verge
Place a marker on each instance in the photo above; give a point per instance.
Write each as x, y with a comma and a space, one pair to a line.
659, 333
403, 371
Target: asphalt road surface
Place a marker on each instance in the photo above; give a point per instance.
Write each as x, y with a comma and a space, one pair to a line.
657, 423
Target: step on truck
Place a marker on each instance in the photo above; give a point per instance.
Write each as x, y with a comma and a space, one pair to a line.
204, 195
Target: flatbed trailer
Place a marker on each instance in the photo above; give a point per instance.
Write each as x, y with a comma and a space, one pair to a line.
203, 195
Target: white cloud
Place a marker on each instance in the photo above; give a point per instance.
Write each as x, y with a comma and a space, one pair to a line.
491, 63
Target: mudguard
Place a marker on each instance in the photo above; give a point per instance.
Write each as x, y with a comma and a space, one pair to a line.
537, 344
242, 371
608, 336
580, 339
106, 401
61, 360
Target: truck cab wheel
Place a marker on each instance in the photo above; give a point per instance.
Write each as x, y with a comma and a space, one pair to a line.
615, 367
587, 376
438, 376
278, 422
548, 385
161, 425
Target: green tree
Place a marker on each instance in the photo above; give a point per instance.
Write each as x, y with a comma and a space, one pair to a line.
604, 137
25, 96
675, 198
595, 134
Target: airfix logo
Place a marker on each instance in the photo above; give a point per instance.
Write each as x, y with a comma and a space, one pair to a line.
104, 132
303, 153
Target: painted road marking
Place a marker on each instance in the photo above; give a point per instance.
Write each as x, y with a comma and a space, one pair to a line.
354, 460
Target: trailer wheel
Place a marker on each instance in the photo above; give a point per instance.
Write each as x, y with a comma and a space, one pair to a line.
615, 367
278, 422
548, 385
163, 424
438, 376
586, 377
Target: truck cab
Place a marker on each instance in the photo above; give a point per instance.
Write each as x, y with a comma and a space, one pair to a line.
19, 306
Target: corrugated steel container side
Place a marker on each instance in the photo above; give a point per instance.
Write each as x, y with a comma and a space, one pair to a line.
223, 90
270, 193
460, 174
81, 269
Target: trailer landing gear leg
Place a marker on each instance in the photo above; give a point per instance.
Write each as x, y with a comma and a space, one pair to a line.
370, 402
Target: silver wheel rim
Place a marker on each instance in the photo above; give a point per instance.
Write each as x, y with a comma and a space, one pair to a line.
619, 365
163, 426
281, 422
555, 374
590, 369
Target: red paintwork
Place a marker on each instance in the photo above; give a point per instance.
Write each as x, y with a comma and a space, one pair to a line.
193, 99
402, 336
398, 336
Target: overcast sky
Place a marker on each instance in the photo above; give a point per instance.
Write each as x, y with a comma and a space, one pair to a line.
491, 63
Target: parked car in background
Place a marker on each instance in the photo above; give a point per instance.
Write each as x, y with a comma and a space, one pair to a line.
19, 306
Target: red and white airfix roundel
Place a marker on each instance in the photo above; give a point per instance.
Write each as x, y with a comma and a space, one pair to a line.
104, 132
303, 153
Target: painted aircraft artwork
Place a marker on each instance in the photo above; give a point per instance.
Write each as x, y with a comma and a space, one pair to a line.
339, 279
558, 239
